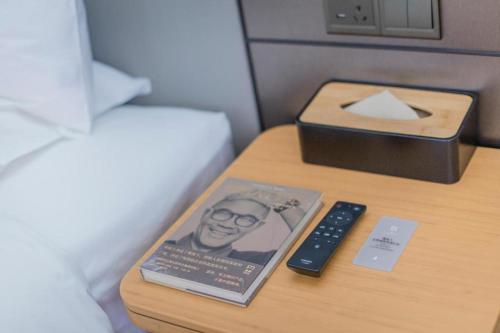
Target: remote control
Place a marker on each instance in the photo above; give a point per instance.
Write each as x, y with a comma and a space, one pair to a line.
317, 249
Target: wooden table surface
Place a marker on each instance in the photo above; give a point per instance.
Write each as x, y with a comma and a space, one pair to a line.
447, 279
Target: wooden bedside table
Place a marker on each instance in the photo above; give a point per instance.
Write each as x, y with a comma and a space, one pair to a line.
447, 279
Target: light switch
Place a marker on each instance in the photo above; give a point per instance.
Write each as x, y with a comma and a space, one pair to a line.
410, 18
420, 14
395, 13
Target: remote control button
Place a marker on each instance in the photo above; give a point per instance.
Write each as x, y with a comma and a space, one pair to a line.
317, 233
344, 214
336, 236
327, 234
331, 228
357, 208
342, 218
339, 230
317, 246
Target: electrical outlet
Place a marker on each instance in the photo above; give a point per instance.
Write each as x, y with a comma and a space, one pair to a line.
352, 16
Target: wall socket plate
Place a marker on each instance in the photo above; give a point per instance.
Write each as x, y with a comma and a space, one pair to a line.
352, 16
396, 18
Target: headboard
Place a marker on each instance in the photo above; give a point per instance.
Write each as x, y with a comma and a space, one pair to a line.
192, 50
292, 55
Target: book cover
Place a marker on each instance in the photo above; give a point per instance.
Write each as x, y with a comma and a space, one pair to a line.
232, 241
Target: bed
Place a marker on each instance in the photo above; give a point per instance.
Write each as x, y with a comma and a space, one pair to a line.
84, 210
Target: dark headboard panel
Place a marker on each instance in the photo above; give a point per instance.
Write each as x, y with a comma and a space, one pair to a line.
292, 55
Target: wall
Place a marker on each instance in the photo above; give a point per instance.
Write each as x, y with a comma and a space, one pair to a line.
292, 55
193, 51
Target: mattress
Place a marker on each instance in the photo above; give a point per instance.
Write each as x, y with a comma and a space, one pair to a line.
103, 199
40, 291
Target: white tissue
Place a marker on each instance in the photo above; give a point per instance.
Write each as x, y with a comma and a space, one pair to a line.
383, 105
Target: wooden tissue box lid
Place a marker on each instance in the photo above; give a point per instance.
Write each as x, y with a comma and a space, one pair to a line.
447, 110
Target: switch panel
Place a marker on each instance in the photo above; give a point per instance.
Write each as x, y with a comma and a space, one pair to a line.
420, 14
395, 13
398, 18
410, 18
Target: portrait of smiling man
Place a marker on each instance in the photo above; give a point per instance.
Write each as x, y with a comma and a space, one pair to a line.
236, 216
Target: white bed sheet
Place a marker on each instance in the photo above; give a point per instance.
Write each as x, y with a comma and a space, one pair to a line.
103, 199
40, 291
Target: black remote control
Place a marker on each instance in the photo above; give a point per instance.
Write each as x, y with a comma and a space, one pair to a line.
317, 249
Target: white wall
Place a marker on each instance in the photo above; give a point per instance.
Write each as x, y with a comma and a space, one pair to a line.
193, 51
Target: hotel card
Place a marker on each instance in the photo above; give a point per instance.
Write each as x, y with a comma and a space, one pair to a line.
385, 244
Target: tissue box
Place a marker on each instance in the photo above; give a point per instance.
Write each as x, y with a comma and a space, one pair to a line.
436, 147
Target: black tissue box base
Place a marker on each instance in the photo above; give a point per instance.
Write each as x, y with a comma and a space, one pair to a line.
409, 156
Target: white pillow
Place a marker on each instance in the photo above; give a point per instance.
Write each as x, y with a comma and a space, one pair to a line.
45, 61
21, 135
113, 87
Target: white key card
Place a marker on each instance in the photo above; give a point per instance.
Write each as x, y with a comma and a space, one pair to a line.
385, 244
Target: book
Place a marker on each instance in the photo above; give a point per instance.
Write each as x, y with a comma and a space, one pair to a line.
233, 241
